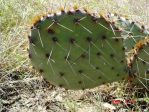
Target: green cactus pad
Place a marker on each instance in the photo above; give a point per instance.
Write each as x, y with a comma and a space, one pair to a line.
77, 50
133, 32
139, 63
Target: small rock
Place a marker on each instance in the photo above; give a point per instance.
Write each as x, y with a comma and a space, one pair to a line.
108, 106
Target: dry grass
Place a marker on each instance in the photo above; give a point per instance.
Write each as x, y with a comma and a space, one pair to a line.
23, 89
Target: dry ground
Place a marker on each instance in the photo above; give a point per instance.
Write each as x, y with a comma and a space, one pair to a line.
24, 90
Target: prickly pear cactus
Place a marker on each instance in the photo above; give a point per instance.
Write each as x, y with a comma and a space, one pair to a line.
77, 50
139, 63
132, 33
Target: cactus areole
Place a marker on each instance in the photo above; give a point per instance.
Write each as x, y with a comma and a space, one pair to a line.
77, 50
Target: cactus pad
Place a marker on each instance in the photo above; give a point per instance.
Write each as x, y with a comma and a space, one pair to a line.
139, 62
77, 50
133, 32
